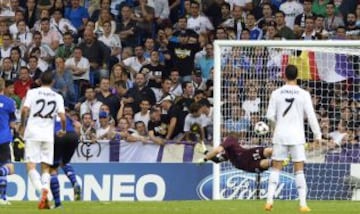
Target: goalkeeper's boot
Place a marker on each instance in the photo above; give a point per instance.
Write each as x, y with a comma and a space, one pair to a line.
77, 192
305, 209
268, 207
44, 202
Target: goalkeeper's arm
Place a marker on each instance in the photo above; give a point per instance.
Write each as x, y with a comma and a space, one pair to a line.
213, 155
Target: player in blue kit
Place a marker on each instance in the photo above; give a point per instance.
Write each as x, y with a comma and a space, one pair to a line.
64, 149
7, 118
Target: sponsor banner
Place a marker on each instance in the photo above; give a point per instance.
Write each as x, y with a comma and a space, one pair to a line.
120, 182
178, 181
324, 181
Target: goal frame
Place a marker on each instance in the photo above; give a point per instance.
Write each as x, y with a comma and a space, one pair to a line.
218, 44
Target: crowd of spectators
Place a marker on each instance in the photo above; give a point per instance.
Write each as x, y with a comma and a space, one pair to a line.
142, 70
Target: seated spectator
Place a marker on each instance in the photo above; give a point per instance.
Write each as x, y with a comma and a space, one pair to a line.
118, 73
135, 63
283, 30
127, 28
184, 59
198, 22
207, 113
77, 15
238, 122
97, 54
23, 37
194, 124
162, 92
105, 130
43, 14
174, 119
144, 113
63, 82
175, 88
31, 13
49, 36
252, 101
197, 80
291, 9
80, 68
46, 52
154, 71
309, 30
332, 20
24, 83
106, 97
61, 25
206, 62
144, 16
255, 32
17, 61
34, 71
104, 5
105, 17
139, 92
66, 49
124, 132
112, 41
7, 45
319, 27
185, 100
339, 136
41, 64
6, 70
141, 132
161, 9
87, 130
91, 104
267, 17
157, 128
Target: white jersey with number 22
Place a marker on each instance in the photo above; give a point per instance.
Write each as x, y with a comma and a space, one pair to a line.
44, 105
288, 107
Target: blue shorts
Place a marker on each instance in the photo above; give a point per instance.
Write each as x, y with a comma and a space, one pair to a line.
64, 148
5, 153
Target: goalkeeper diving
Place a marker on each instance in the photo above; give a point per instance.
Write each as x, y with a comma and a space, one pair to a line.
255, 159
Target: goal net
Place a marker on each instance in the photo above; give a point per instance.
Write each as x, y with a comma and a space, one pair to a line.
246, 72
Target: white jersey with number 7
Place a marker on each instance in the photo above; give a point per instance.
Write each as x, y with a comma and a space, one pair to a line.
288, 107
44, 105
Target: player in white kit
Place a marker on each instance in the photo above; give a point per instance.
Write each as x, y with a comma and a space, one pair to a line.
38, 113
289, 105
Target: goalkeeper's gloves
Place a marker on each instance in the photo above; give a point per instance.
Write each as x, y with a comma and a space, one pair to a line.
201, 161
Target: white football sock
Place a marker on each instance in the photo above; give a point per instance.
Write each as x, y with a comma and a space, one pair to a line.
301, 187
273, 183
45, 180
35, 179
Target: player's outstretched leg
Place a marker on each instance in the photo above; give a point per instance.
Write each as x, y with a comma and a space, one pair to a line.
55, 189
3, 186
70, 173
5, 170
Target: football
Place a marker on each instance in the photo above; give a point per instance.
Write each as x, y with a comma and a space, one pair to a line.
261, 128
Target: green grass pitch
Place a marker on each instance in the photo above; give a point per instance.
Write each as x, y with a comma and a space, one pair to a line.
186, 207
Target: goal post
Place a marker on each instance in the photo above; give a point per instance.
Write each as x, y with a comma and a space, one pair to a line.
328, 69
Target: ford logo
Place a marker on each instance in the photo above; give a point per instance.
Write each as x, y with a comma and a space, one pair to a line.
237, 184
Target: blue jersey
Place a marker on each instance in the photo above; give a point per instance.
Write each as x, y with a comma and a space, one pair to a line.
69, 125
7, 115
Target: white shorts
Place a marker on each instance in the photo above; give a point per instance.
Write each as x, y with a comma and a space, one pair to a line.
282, 152
39, 152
